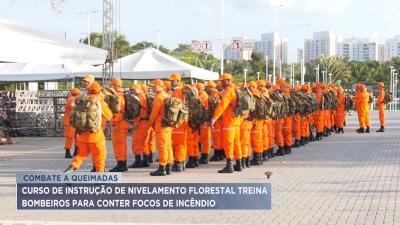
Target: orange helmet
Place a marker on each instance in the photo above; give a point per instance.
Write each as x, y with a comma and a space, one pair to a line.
380, 84
211, 84
200, 86
75, 91
175, 76
95, 88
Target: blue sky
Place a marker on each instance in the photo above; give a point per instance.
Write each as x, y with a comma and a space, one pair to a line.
180, 21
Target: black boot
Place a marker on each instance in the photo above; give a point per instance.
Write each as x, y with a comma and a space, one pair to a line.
159, 172
196, 161
238, 166
296, 144
120, 167
215, 157
255, 161
361, 130
341, 129
75, 151
302, 141
318, 137
177, 167
335, 128
191, 163
228, 167
247, 162
243, 162
93, 169
367, 130
265, 155
382, 129
271, 153
168, 169
203, 159
69, 169
222, 154
68, 154
138, 162
145, 161
280, 151
288, 150
150, 157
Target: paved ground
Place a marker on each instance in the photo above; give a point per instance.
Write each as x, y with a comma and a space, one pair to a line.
347, 178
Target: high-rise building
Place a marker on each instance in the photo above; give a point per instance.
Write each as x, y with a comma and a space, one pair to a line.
299, 55
322, 44
392, 48
382, 53
268, 42
244, 54
360, 50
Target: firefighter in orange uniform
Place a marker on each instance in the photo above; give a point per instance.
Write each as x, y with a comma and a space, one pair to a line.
179, 134
319, 115
287, 124
119, 130
205, 131
141, 132
341, 109
69, 131
262, 90
257, 129
361, 100
93, 142
271, 122
163, 134
216, 131
231, 125
381, 106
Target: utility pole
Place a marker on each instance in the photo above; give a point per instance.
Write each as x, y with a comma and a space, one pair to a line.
108, 40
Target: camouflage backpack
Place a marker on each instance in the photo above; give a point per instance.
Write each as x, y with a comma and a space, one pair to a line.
197, 112
306, 105
213, 102
326, 101
86, 115
278, 109
370, 98
388, 97
149, 100
175, 112
112, 99
132, 107
314, 103
291, 104
298, 98
334, 100
348, 103
245, 102
260, 111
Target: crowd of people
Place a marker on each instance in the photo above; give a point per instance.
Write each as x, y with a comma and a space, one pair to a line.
241, 139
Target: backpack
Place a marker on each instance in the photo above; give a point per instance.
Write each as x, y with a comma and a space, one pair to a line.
278, 109
245, 102
132, 107
260, 111
197, 112
314, 103
291, 104
370, 98
213, 102
388, 97
149, 100
348, 103
175, 112
334, 100
86, 115
112, 99
325, 101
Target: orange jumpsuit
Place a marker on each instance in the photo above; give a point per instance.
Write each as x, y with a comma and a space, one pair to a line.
341, 110
287, 126
142, 129
271, 134
179, 134
266, 126
69, 131
216, 131
361, 101
245, 128
93, 142
278, 132
381, 107
231, 124
119, 131
205, 131
297, 126
319, 115
163, 134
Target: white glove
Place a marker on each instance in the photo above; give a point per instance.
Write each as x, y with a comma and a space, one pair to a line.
212, 123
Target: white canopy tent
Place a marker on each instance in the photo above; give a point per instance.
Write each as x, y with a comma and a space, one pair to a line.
153, 64
22, 44
36, 72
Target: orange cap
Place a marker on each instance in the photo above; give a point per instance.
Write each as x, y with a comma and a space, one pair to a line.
75, 91
340, 88
226, 76
268, 83
252, 83
157, 82
218, 83
144, 87
275, 87
136, 86
239, 85
116, 82
380, 84
200, 86
167, 84
210, 84
261, 83
95, 88
175, 76
89, 78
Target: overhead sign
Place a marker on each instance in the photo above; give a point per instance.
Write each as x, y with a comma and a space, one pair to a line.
248, 45
201, 46
196, 46
237, 45
206, 46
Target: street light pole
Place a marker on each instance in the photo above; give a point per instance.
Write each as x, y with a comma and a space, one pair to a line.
258, 75
302, 53
222, 37
323, 76
245, 76
330, 78
317, 74
88, 22
266, 67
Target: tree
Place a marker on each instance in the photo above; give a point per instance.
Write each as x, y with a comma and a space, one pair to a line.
121, 45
